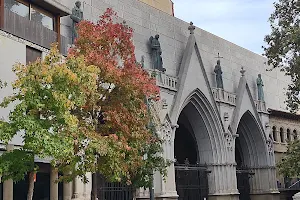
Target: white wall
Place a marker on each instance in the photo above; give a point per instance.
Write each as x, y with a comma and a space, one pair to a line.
11, 52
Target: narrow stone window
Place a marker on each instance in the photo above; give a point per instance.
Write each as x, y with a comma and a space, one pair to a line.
274, 133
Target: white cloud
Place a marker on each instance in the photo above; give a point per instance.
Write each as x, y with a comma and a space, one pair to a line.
243, 22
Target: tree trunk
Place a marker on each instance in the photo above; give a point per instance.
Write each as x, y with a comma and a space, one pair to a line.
31, 186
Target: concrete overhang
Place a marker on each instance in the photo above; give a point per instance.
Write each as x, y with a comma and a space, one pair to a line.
53, 6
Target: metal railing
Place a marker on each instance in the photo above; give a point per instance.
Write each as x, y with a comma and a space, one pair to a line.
32, 31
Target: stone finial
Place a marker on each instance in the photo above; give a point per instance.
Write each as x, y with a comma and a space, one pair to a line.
192, 28
243, 71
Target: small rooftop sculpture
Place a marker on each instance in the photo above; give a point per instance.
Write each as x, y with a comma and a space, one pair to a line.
192, 28
243, 71
76, 16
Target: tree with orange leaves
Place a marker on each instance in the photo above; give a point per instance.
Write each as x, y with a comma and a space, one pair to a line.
88, 112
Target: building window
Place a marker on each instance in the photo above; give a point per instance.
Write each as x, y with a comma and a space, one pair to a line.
18, 7
281, 135
32, 54
43, 17
274, 134
31, 12
295, 135
288, 135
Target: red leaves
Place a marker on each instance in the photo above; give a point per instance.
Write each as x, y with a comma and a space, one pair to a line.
109, 46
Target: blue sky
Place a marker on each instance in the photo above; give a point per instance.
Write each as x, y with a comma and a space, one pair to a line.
243, 22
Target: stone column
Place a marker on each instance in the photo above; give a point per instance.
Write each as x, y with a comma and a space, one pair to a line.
87, 187
8, 185
75, 188
78, 189
67, 190
53, 184
168, 187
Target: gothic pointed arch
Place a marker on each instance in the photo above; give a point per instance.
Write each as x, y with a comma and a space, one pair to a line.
245, 103
206, 125
192, 77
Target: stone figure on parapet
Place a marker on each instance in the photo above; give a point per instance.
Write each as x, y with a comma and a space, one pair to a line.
76, 16
260, 85
156, 53
218, 72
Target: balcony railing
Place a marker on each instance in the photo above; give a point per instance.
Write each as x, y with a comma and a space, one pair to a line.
32, 31
223, 96
261, 106
164, 80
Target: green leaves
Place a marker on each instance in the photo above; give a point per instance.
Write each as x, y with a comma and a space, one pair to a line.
283, 46
16, 164
290, 164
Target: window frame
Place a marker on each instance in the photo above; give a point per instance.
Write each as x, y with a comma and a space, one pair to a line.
24, 3
44, 11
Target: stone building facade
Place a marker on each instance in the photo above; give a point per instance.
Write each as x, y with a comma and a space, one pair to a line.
219, 139
163, 5
285, 129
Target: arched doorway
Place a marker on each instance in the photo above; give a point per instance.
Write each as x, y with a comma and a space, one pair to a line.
200, 147
252, 158
191, 176
195, 149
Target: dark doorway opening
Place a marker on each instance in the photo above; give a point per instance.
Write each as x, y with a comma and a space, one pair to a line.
41, 185
242, 173
191, 177
185, 146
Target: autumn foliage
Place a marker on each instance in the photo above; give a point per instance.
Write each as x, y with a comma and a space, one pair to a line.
88, 111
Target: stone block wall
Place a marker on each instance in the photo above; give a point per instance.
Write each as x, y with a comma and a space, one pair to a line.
148, 21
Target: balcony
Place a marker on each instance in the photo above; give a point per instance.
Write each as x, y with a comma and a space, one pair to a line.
164, 80
31, 31
223, 96
261, 106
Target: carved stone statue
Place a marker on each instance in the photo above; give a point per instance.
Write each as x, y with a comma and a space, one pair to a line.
218, 72
156, 53
76, 16
260, 85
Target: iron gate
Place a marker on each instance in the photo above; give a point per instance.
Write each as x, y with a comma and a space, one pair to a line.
243, 184
191, 182
113, 191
